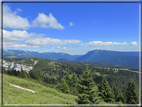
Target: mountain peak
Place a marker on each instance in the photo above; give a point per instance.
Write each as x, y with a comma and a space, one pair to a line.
96, 50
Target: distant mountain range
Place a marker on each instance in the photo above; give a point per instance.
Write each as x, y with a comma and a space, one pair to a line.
45, 55
127, 59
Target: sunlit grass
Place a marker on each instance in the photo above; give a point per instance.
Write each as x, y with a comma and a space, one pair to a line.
43, 95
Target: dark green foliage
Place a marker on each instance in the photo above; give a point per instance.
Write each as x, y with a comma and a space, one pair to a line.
74, 80
120, 78
86, 89
71, 82
132, 94
23, 74
105, 91
68, 80
117, 94
124, 91
63, 86
74, 84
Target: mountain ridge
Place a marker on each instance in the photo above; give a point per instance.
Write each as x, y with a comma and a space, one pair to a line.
114, 57
44, 55
128, 59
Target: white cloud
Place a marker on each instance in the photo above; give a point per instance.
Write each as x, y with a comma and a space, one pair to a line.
16, 45
133, 43
71, 24
18, 10
15, 35
65, 49
100, 43
50, 41
12, 20
47, 21
13, 39
58, 47
19, 35
21, 38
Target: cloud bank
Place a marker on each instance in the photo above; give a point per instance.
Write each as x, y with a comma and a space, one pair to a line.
50, 41
100, 43
17, 45
31, 40
15, 35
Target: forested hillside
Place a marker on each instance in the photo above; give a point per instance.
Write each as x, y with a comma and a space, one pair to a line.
54, 71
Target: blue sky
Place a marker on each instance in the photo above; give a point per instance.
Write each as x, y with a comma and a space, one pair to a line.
73, 28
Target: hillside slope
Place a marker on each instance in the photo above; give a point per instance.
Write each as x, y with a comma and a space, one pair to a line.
43, 95
129, 59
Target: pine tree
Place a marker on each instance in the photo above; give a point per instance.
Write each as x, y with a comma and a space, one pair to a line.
105, 91
63, 86
74, 80
86, 91
22, 74
73, 87
124, 91
68, 79
117, 93
132, 95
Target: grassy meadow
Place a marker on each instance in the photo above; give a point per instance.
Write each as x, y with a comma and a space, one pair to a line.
43, 95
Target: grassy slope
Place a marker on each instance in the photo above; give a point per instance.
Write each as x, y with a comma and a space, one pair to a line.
43, 95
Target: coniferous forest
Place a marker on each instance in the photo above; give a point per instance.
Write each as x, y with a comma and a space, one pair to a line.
92, 84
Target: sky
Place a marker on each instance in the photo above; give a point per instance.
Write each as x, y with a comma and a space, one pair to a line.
73, 28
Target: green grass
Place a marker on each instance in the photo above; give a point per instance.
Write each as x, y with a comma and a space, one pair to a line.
43, 95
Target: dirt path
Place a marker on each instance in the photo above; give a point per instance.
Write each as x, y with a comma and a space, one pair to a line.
16, 86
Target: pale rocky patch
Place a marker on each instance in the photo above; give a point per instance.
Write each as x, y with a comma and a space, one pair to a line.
16, 86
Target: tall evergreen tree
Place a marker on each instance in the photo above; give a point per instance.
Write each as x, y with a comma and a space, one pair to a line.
124, 92
105, 91
22, 74
63, 86
86, 89
68, 79
73, 88
118, 95
74, 80
132, 95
